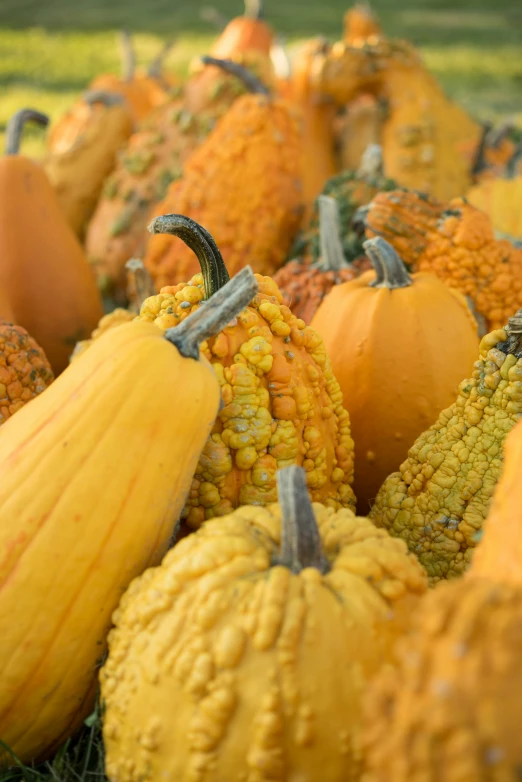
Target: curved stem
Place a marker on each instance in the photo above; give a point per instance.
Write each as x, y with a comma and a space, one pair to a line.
251, 82
300, 539
371, 165
253, 9
156, 66
142, 281
15, 126
201, 242
128, 56
214, 17
104, 97
332, 255
390, 271
213, 315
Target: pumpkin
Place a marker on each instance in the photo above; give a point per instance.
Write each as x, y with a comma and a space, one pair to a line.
304, 284
499, 197
351, 190
46, 283
281, 402
428, 142
451, 711
438, 499
142, 91
456, 242
245, 654
496, 152
399, 346
257, 141
81, 153
24, 369
94, 472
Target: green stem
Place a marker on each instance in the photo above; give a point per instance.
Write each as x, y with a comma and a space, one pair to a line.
201, 242
15, 127
251, 82
390, 271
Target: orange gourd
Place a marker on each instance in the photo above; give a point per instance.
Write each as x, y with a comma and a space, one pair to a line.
360, 24
399, 346
46, 282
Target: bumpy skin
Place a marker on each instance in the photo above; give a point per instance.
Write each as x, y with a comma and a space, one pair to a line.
428, 142
154, 157
439, 499
115, 318
451, 712
282, 406
456, 242
225, 666
24, 369
81, 153
244, 186
304, 285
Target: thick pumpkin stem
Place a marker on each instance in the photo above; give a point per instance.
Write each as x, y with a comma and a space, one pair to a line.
213, 315
201, 243
128, 56
253, 9
371, 165
332, 255
251, 82
104, 97
156, 66
300, 540
213, 17
390, 271
15, 127
142, 281
513, 343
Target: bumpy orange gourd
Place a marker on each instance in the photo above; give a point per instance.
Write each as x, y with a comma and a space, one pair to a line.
24, 369
440, 495
263, 629
243, 184
81, 153
47, 285
456, 242
94, 474
452, 710
399, 346
282, 403
428, 142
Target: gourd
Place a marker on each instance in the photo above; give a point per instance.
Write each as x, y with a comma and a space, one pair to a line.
454, 241
246, 653
451, 710
304, 284
81, 153
281, 402
428, 142
440, 496
47, 285
399, 345
499, 197
257, 141
24, 369
94, 474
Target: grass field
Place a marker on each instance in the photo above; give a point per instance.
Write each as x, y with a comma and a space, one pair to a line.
50, 49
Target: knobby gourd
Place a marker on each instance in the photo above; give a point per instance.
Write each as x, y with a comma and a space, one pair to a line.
305, 284
440, 496
451, 711
246, 653
257, 141
282, 403
24, 369
399, 345
94, 474
81, 153
47, 285
456, 242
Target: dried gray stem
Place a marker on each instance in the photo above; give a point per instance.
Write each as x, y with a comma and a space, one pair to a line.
15, 126
104, 97
331, 248
141, 280
390, 271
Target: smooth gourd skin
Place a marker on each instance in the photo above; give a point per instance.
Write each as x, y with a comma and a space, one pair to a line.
500, 198
48, 285
225, 666
95, 472
398, 356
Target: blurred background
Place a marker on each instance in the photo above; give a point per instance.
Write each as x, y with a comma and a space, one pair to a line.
50, 49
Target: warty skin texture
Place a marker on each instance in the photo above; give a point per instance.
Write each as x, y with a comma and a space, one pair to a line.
441, 495
225, 666
456, 242
78, 522
281, 405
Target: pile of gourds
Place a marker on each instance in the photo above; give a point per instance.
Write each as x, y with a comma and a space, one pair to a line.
236, 311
